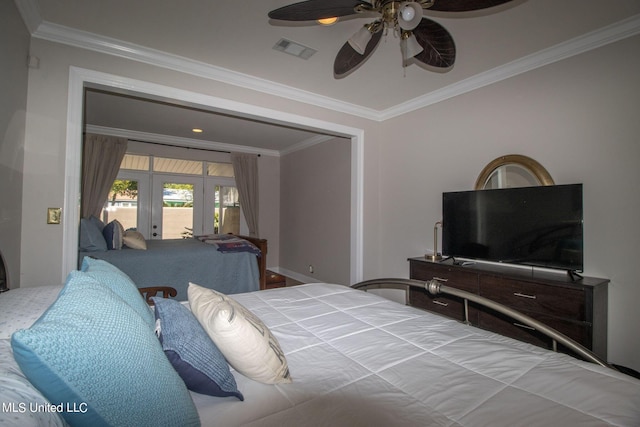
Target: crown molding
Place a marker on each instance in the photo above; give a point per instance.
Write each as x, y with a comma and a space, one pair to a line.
317, 139
178, 141
30, 14
110, 46
586, 42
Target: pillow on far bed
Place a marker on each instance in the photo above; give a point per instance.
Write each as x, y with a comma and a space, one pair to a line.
244, 340
91, 237
134, 240
113, 234
191, 352
93, 354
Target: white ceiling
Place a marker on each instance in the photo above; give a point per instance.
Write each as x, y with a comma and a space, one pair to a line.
238, 37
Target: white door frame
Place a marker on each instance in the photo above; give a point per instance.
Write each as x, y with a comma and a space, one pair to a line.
79, 78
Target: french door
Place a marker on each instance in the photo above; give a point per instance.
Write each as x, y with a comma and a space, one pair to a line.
168, 206
176, 206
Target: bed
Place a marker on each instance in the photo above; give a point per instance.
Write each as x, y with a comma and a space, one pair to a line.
357, 359
175, 262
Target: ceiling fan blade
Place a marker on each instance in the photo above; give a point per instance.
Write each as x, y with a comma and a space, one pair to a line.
312, 10
439, 47
464, 5
348, 59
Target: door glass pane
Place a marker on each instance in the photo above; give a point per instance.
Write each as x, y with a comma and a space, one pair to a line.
177, 210
122, 204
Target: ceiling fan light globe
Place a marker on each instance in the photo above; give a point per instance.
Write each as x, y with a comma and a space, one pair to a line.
360, 40
409, 16
410, 47
407, 13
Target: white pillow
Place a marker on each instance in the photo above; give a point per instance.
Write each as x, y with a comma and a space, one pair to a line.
134, 240
244, 340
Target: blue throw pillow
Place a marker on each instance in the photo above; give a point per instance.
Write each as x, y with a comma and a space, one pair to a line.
91, 237
113, 233
194, 356
93, 355
111, 276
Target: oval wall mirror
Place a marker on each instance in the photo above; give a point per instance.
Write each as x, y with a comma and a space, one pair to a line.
513, 170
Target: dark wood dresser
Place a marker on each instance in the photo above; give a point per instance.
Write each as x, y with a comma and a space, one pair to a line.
577, 308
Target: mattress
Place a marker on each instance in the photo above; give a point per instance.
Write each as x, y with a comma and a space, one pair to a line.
357, 359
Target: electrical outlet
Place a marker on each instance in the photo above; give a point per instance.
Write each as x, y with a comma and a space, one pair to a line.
310, 268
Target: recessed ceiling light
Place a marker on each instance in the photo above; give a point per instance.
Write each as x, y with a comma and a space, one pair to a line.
196, 130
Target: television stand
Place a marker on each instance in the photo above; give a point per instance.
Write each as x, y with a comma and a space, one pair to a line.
574, 305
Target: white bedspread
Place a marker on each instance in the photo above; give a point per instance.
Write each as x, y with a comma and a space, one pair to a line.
359, 360
19, 308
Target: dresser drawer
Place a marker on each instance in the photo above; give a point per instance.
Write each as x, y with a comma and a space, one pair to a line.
449, 306
444, 304
456, 278
580, 332
549, 300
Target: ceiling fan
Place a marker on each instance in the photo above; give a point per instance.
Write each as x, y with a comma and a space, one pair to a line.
420, 38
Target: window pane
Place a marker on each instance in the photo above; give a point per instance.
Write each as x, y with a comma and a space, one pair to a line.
177, 166
220, 169
177, 211
122, 204
135, 162
230, 210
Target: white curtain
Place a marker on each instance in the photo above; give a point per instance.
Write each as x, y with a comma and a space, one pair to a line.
245, 169
101, 159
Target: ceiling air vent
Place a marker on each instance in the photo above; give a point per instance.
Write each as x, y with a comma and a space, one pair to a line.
293, 48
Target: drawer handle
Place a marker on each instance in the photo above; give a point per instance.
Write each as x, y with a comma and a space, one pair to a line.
444, 304
520, 325
440, 279
521, 295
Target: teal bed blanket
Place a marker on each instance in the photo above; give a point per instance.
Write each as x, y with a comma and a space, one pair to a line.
176, 262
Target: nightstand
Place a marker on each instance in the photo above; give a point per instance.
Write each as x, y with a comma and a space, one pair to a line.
275, 280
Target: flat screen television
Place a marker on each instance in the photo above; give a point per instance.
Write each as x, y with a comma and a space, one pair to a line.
537, 226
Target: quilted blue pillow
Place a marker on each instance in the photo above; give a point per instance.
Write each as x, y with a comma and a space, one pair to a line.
93, 355
112, 277
113, 233
194, 356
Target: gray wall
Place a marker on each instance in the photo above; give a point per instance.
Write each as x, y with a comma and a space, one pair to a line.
14, 49
315, 211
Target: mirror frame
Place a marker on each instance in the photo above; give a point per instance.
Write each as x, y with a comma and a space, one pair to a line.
536, 169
